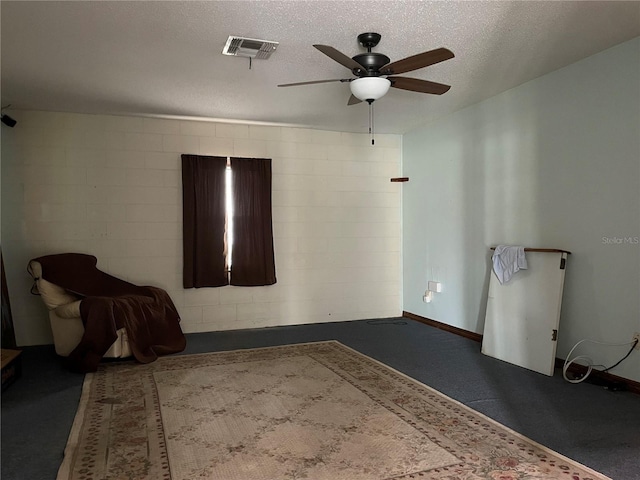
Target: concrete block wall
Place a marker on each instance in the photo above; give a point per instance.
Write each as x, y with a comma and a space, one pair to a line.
111, 186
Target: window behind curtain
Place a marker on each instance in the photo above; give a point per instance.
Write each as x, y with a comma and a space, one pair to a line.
204, 224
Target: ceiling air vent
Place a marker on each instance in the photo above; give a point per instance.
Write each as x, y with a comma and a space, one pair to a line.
249, 47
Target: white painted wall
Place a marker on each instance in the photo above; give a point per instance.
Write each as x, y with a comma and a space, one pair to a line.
111, 186
552, 163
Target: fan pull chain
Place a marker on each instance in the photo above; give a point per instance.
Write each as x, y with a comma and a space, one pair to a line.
371, 121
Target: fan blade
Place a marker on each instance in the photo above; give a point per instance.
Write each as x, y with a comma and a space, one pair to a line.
417, 85
415, 62
339, 57
315, 81
353, 100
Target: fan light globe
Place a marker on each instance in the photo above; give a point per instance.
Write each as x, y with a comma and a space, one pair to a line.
369, 88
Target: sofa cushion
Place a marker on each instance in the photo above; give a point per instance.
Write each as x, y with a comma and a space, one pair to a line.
69, 310
54, 296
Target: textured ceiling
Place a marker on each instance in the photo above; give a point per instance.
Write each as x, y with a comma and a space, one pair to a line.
164, 58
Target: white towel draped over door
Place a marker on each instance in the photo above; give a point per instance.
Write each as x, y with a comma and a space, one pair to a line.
507, 260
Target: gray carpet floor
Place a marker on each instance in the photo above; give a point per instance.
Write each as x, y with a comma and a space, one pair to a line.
590, 424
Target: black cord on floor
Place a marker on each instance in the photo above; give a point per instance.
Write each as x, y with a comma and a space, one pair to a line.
589, 366
623, 358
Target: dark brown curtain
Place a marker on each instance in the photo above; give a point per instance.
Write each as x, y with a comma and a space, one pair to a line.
203, 187
252, 262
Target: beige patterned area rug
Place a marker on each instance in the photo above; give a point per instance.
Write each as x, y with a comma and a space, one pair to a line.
318, 411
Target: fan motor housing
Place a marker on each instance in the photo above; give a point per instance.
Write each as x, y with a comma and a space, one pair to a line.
372, 62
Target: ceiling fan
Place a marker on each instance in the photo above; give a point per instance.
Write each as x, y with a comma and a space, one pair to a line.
375, 74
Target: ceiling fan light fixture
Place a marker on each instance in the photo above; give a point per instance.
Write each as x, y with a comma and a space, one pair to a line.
369, 88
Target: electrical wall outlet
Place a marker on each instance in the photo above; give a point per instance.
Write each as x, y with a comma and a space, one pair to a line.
636, 336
